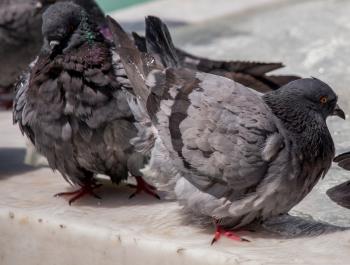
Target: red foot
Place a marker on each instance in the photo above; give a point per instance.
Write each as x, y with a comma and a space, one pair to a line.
219, 231
142, 185
77, 194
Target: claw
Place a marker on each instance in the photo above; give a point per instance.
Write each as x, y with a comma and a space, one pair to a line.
143, 186
219, 231
77, 194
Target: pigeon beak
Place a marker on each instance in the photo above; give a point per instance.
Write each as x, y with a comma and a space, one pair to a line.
53, 44
339, 112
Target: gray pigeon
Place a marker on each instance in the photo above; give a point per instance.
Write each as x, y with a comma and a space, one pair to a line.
341, 193
238, 155
71, 104
21, 39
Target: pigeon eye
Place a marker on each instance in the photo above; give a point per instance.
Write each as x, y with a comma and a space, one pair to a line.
323, 100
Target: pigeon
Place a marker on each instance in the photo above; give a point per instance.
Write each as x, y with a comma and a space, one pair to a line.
341, 193
238, 156
251, 74
72, 107
21, 39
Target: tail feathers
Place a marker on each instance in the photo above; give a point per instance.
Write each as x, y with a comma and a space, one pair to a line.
341, 157
159, 42
340, 194
144, 72
140, 42
281, 80
137, 65
267, 83
343, 160
207, 65
251, 74
246, 80
146, 134
252, 68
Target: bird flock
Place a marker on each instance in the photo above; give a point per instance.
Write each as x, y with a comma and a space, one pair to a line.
233, 144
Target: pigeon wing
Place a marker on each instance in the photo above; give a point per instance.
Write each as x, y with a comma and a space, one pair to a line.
23, 112
216, 128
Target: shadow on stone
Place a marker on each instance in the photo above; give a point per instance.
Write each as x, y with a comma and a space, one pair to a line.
12, 162
114, 196
281, 227
289, 226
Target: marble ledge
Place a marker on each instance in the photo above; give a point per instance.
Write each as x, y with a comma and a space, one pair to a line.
37, 228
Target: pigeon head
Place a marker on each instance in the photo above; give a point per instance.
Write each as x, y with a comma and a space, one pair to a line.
66, 25
308, 97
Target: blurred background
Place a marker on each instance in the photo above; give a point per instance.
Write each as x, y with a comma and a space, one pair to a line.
110, 5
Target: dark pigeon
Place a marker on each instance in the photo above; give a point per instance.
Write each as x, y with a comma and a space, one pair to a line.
341, 193
251, 74
71, 104
239, 156
21, 39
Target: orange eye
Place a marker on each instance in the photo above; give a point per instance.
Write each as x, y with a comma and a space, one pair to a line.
323, 100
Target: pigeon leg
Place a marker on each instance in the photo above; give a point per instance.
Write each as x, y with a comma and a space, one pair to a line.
143, 186
84, 190
219, 231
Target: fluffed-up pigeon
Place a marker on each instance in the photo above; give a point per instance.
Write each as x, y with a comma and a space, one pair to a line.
71, 103
237, 155
341, 193
21, 39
